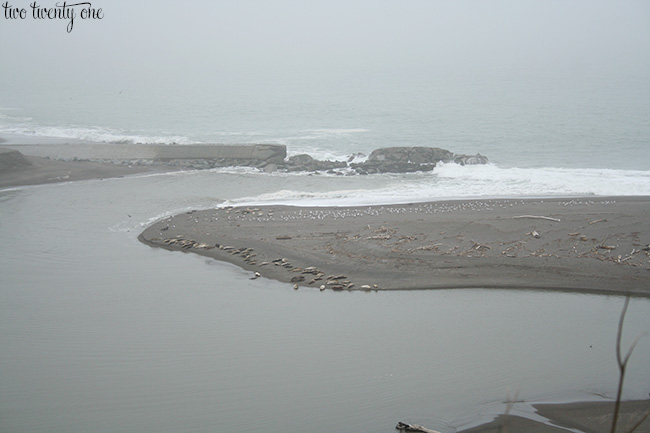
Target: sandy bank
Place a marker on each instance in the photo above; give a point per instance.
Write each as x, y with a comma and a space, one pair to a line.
595, 417
17, 169
587, 244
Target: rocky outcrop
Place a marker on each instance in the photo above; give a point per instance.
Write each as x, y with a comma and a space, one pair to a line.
411, 159
266, 157
403, 160
304, 162
11, 159
272, 158
411, 155
477, 159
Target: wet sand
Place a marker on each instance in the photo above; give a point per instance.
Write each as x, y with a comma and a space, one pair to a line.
588, 417
597, 244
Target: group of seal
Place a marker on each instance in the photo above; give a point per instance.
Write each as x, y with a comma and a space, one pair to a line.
333, 282
185, 244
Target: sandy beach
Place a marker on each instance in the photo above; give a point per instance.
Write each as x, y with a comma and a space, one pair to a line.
597, 244
593, 417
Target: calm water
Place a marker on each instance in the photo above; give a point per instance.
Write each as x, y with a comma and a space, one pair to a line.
99, 333
102, 333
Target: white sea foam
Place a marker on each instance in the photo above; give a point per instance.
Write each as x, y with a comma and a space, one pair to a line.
452, 181
489, 179
103, 135
324, 143
339, 131
27, 127
325, 155
240, 133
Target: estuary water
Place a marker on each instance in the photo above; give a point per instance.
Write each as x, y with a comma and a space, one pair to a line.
101, 333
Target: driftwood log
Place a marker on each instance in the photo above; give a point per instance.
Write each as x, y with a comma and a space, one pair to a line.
539, 217
414, 428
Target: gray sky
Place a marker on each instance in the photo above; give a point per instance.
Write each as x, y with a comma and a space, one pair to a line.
143, 40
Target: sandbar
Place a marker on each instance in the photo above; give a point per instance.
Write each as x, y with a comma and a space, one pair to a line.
588, 244
593, 417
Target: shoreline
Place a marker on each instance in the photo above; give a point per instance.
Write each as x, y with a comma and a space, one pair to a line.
399, 240
585, 416
26, 170
594, 244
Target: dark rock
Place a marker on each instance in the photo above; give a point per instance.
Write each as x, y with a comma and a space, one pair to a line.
304, 162
11, 159
470, 160
370, 167
270, 168
266, 157
414, 155
300, 160
402, 160
355, 156
411, 159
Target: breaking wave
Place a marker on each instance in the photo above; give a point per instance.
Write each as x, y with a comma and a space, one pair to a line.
452, 181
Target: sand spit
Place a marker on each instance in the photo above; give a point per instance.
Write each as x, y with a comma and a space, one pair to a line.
594, 417
582, 244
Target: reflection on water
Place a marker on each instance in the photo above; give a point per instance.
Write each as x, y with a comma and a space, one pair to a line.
102, 333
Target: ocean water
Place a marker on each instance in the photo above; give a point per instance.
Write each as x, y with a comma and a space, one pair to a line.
546, 136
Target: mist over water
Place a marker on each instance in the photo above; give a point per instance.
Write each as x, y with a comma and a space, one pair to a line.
528, 84
102, 333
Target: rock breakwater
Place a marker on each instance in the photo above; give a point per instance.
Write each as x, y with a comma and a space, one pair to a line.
266, 157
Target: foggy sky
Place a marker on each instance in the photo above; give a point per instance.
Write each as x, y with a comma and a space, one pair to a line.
140, 41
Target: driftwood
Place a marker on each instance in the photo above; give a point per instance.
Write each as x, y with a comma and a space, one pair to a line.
534, 234
557, 220
414, 428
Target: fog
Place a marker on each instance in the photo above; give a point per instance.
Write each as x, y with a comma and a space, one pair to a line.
145, 42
